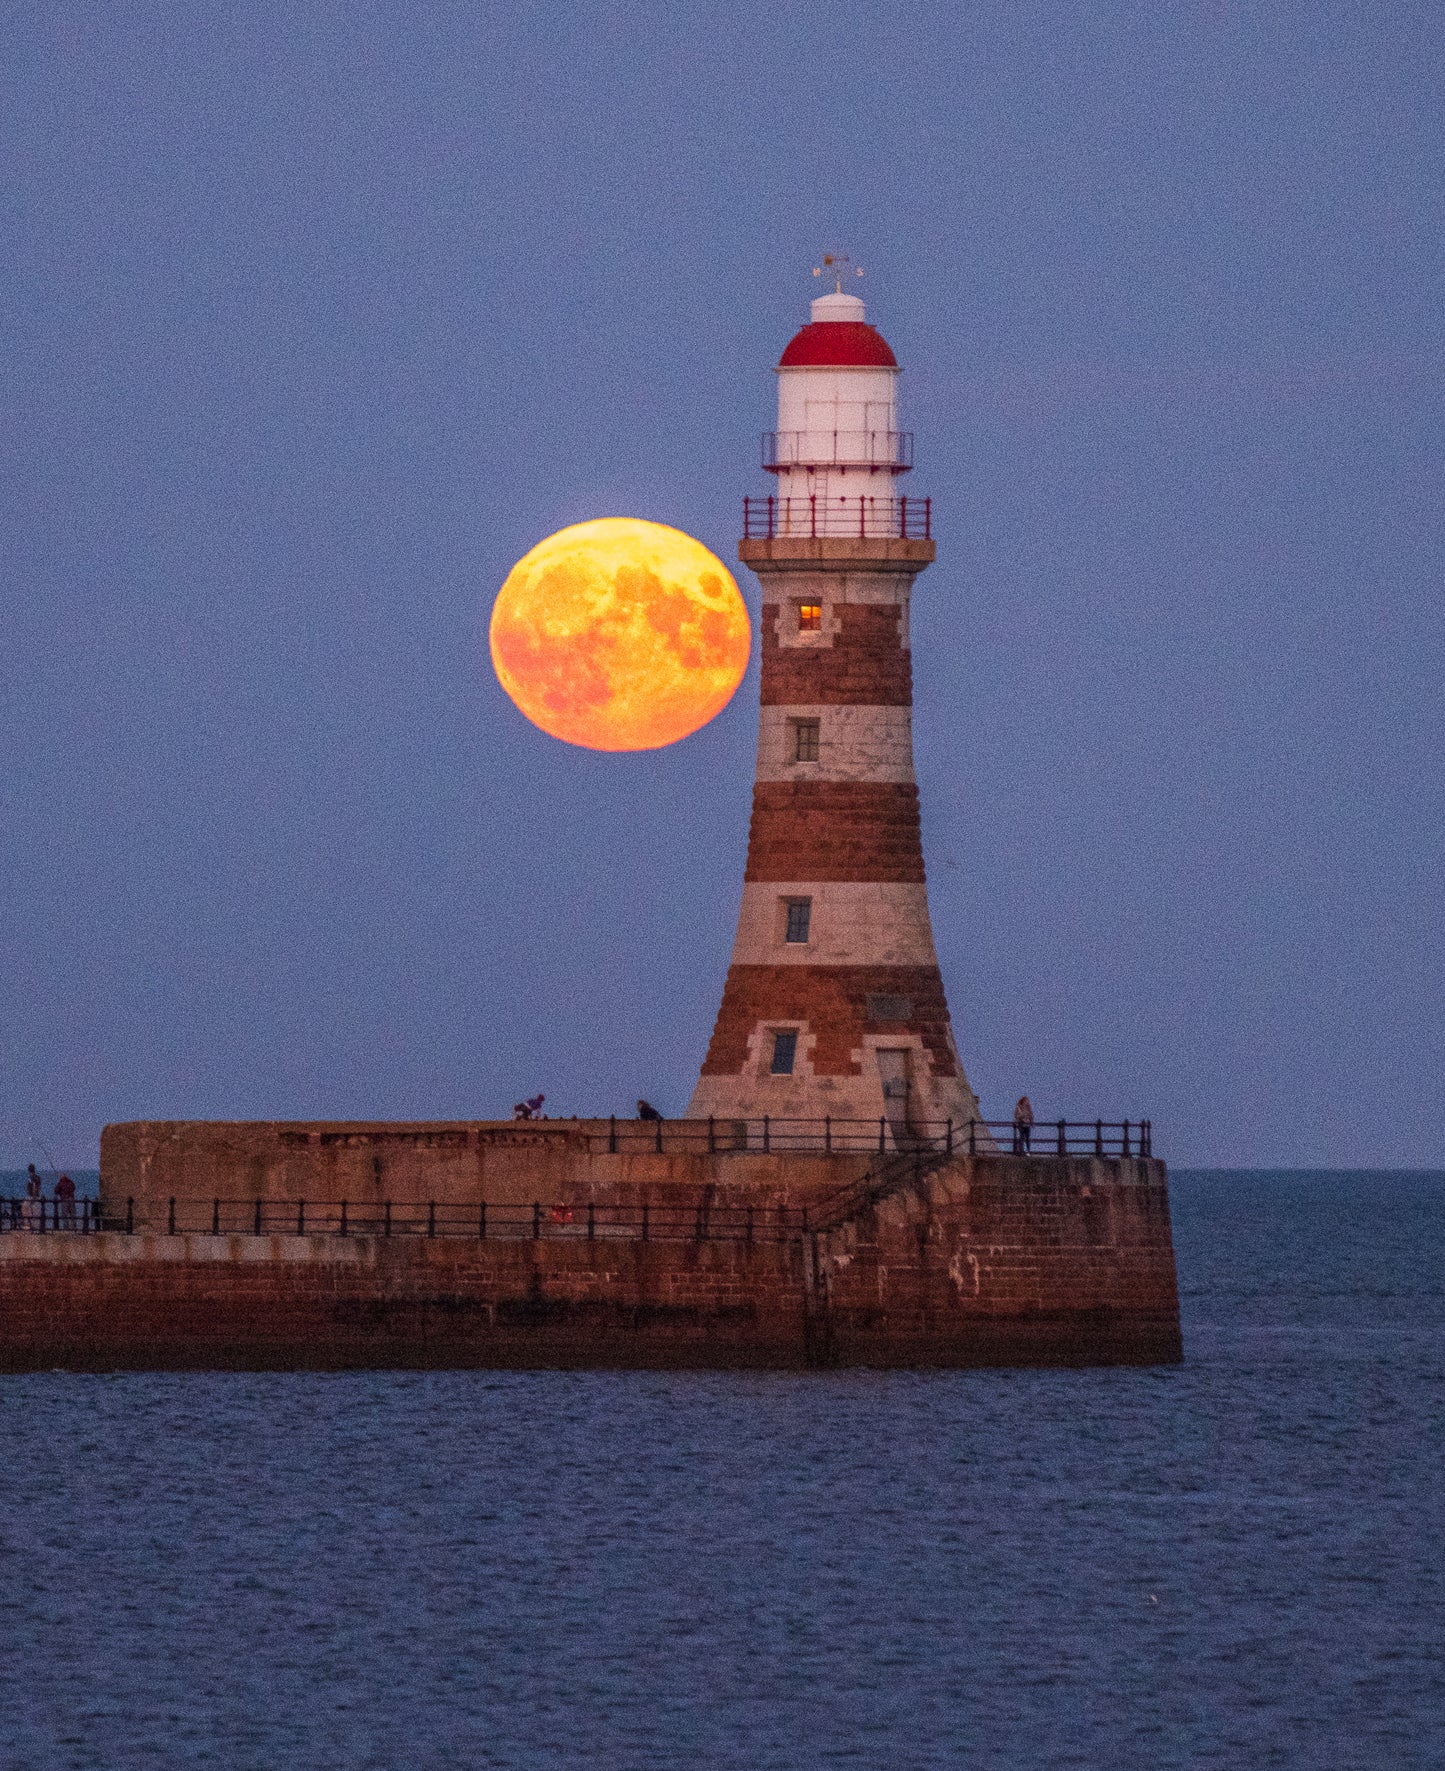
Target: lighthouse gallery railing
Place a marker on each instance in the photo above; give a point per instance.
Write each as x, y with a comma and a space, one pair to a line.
860, 517
887, 449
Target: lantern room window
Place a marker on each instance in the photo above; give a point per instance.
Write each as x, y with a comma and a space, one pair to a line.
810, 617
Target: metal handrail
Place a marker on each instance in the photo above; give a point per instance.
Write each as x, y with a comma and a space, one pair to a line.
862, 517
907, 1153
840, 1137
50, 1216
903, 1168
484, 1221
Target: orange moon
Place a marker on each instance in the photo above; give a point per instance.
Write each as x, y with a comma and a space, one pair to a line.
620, 634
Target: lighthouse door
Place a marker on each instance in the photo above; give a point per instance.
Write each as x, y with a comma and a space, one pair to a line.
897, 1102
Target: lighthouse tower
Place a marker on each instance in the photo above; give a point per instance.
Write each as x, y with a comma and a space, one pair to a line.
834, 1003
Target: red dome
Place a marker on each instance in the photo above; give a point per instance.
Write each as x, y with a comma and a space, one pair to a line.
838, 344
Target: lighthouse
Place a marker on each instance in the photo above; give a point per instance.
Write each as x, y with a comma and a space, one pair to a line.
834, 1006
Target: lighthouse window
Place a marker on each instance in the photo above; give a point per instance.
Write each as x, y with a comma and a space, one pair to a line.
805, 740
785, 1050
800, 914
810, 617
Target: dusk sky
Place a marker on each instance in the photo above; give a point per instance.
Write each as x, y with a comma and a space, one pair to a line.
318, 316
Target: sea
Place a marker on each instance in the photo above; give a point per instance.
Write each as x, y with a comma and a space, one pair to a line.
1233, 1563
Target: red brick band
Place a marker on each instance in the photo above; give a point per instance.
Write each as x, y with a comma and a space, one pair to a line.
862, 831
864, 664
834, 1001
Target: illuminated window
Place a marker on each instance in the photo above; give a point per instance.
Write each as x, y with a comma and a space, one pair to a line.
785, 1050
800, 914
805, 740
810, 617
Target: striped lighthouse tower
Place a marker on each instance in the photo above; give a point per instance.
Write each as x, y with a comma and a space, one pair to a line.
834, 1003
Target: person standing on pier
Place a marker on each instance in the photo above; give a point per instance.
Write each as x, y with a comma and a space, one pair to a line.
34, 1198
1023, 1125
65, 1203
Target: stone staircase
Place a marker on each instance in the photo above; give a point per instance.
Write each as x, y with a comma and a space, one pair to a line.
898, 1170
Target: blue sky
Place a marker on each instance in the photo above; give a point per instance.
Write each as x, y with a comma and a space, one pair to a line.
317, 316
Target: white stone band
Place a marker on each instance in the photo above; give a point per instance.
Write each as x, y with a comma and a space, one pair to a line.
854, 744
848, 924
804, 1095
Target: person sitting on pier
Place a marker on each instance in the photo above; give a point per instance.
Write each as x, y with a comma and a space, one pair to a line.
534, 1106
1023, 1125
646, 1110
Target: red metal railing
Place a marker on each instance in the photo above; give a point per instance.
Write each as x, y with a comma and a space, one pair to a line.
867, 518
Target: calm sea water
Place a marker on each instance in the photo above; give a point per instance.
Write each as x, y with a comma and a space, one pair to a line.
1236, 1563
12, 1181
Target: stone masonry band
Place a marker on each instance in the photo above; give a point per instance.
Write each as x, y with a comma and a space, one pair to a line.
833, 1004
852, 743
863, 662
850, 922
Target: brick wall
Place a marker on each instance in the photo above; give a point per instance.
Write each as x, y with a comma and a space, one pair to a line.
243, 1302
1019, 1260
865, 662
835, 830
833, 1002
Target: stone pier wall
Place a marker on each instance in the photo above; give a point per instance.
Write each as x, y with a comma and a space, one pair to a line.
1011, 1261
455, 1163
990, 1261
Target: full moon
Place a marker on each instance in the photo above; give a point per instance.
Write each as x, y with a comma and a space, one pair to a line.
620, 634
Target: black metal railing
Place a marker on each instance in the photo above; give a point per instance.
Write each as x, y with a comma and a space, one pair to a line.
886, 1177
842, 1137
46, 1216
910, 1163
906, 1153
585, 1221
863, 518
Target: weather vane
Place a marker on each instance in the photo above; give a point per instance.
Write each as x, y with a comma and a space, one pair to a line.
835, 265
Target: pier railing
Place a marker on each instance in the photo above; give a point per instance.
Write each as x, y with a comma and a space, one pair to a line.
905, 1155
771, 1135
47, 1216
587, 1221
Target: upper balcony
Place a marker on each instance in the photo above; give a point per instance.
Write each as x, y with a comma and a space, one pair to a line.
883, 451
838, 518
